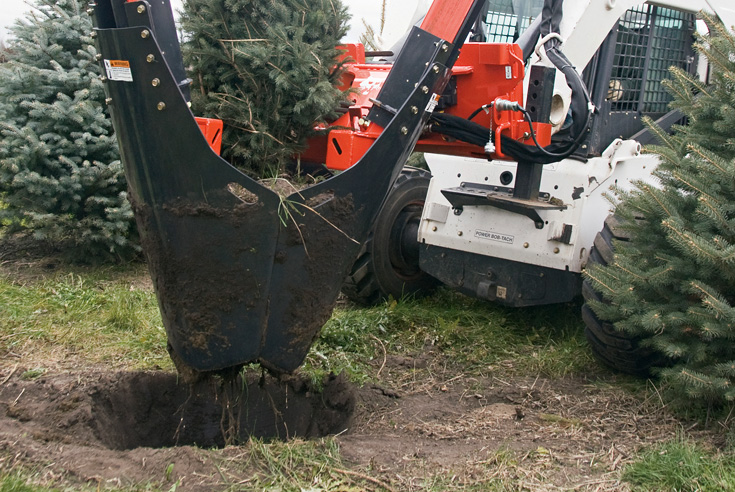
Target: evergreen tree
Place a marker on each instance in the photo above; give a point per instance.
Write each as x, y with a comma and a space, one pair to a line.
3, 51
60, 176
673, 284
370, 37
268, 69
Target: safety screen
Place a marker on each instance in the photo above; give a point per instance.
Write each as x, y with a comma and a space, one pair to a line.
650, 39
505, 20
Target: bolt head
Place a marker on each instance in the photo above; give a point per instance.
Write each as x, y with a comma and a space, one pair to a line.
150, 58
161, 106
156, 82
404, 130
414, 110
525, 245
424, 89
435, 69
141, 9
145, 33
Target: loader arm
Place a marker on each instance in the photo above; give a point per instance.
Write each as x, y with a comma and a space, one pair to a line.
241, 274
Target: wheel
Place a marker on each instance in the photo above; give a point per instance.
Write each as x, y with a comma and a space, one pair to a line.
616, 349
388, 263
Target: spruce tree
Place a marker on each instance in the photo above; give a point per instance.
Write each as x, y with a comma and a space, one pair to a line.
268, 69
3, 51
60, 175
673, 284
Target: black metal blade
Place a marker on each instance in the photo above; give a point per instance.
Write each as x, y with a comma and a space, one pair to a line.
241, 274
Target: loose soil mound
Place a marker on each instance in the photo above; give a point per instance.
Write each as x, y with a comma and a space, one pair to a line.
128, 427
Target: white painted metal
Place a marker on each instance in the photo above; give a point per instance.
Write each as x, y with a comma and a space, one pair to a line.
494, 232
725, 10
585, 26
581, 186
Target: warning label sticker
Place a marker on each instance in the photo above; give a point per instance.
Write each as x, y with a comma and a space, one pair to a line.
118, 70
432, 103
494, 236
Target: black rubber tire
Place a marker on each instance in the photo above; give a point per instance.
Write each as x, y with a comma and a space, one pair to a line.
614, 348
388, 263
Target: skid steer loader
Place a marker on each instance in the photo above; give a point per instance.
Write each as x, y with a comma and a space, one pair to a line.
475, 231
235, 285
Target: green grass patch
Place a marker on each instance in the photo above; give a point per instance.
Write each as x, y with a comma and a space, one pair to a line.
478, 335
28, 481
18, 483
296, 466
102, 315
109, 315
682, 465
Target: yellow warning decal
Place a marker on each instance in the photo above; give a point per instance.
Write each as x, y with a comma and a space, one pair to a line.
120, 63
118, 70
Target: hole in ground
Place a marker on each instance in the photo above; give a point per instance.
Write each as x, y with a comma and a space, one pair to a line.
155, 410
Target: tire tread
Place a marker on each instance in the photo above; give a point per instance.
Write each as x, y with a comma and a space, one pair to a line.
362, 284
615, 348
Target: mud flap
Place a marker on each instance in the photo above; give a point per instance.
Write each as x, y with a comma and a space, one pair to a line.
240, 274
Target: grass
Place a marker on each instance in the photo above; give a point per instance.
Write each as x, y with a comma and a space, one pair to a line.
31, 481
682, 465
110, 317
314, 466
476, 335
100, 316
298, 466
18, 483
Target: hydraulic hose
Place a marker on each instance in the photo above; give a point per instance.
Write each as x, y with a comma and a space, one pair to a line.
581, 107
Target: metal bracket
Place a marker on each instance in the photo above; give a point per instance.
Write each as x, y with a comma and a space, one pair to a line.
476, 194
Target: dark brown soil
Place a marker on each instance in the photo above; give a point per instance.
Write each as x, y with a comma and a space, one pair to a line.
128, 427
420, 417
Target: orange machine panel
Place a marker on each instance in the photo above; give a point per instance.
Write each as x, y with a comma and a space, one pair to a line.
212, 130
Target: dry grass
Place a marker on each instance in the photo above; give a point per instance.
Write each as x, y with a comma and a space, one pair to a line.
455, 394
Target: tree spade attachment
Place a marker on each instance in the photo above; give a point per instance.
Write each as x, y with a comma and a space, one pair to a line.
241, 274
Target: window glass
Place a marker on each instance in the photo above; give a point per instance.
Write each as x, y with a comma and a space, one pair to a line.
505, 20
649, 40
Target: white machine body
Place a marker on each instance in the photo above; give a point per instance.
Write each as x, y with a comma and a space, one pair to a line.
565, 240
580, 187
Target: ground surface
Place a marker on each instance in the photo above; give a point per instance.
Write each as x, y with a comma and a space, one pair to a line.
127, 428
418, 419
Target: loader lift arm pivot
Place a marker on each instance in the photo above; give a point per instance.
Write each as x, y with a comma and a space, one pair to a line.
233, 284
